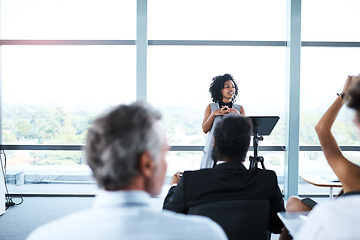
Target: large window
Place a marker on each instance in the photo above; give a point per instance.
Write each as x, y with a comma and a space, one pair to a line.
51, 93
256, 20
325, 66
330, 20
187, 52
67, 19
62, 64
65, 62
50, 96
324, 71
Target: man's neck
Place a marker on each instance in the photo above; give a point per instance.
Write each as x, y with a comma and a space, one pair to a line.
138, 183
229, 160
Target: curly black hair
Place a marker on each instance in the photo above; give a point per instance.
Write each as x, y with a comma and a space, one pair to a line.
232, 137
217, 85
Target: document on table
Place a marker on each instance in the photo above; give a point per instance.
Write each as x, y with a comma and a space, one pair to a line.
293, 221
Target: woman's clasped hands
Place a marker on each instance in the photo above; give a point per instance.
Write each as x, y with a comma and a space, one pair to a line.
225, 110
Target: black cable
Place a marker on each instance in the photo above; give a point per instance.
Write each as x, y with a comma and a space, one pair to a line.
8, 200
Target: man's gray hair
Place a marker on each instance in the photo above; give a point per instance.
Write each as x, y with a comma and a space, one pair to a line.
116, 141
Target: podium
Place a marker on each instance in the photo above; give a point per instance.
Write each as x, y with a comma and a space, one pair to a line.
262, 126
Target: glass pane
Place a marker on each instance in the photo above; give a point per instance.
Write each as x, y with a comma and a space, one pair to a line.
179, 78
330, 20
67, 19
272, 161
315, 164
182, 161
323, 74
48, 172
51, 93
217, 20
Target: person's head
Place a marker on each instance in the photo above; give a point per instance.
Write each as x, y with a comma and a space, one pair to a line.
223, 86
354, 102
232, 139
125, 145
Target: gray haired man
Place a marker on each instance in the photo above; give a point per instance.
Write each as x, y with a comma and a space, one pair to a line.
126, 150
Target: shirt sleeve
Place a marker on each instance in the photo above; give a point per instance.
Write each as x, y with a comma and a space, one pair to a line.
277, 205
313, 228
175, 200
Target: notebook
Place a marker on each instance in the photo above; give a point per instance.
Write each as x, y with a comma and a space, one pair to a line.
293, 221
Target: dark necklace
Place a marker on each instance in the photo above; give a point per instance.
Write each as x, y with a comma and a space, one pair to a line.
221, 104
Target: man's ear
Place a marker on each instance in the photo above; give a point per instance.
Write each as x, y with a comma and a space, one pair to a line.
146, 164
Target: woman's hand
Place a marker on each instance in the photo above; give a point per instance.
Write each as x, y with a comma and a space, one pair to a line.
222, 111
209, 116
350, 82
347, 85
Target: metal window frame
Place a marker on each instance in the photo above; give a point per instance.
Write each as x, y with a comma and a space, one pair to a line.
175, 148
292, 101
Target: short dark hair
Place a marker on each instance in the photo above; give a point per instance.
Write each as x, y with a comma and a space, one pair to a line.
232, 137
116, 140
217, 85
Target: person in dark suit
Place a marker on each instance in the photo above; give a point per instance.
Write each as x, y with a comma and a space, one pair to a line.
230, 179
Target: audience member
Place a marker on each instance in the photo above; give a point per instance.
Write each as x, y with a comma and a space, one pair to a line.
229, 180
125, 150
336, 219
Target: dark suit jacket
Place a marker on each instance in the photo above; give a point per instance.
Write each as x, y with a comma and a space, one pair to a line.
227, 181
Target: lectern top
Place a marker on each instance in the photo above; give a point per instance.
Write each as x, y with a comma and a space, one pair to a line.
264, 124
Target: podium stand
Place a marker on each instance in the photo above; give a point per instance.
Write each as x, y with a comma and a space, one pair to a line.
262, 126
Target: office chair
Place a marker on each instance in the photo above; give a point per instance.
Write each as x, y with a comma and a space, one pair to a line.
240, 219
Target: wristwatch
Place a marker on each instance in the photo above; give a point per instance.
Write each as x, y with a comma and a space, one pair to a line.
342, 95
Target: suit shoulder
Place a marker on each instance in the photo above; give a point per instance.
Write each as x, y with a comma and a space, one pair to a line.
265, 172
191, 174
197, 172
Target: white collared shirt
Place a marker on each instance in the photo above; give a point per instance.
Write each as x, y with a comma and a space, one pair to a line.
128, 215
335, 219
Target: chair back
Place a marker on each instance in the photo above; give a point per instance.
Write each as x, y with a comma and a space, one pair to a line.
240, 219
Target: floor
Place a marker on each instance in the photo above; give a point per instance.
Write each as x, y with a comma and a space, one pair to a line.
20, 220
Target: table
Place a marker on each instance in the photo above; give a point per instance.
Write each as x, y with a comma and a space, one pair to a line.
322, 181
